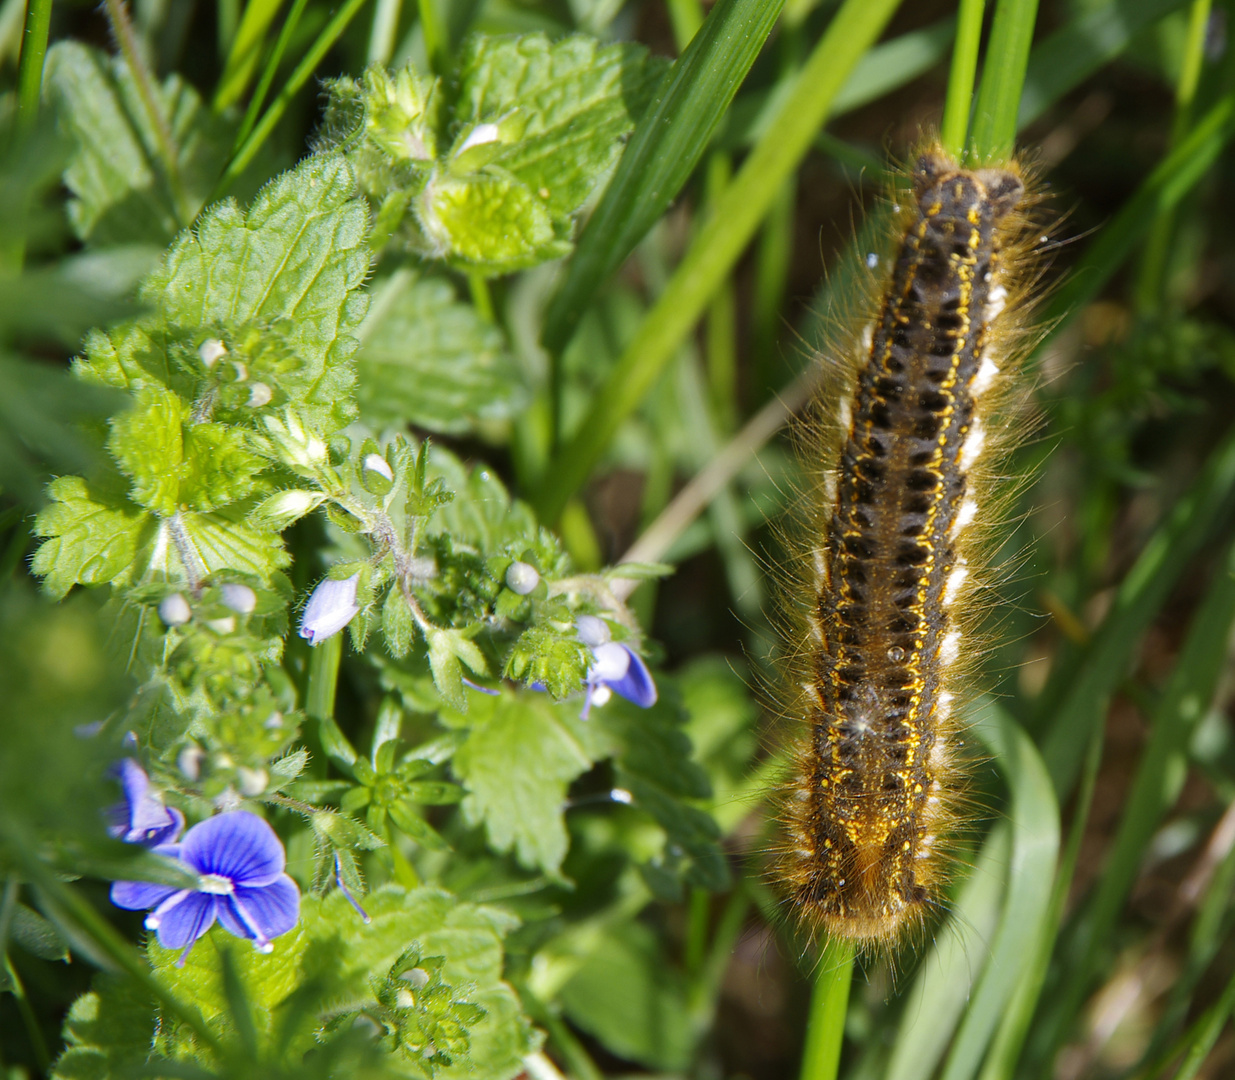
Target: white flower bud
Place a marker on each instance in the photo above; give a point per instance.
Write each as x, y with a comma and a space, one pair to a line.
331, 607
612, 661
252, 781
223, 626
260, 394
274, 721
378, 464
189, 761
240, 598
284, 507
174, 610
522, 578
593, 630
210, 350
480, 135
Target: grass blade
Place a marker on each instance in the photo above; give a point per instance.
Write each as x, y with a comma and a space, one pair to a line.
949, 970
716, 248
663, 151
1186, 529
959, 102
1034, 824
1003, 75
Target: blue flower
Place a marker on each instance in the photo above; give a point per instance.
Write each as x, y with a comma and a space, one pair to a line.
331, 607
239, 862
619, 670
142, 818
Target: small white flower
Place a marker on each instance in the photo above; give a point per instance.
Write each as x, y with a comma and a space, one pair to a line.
224, 626
331, 607
210, 351
175, 610
522, 578
240, 598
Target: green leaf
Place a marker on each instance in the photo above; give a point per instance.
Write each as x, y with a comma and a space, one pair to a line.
489, 221
292, 262
626, 996
36, 935
429, 360
520, 756
446, 649
122, 189
467, 935
147, 443
93, 537
562, 109
107, 1031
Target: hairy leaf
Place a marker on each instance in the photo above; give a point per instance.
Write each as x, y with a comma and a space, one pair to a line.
124, 191
427, 359
520, 756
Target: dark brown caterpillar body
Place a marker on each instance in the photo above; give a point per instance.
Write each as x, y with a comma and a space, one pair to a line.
874, 791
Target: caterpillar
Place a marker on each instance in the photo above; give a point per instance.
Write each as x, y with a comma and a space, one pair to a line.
910, 424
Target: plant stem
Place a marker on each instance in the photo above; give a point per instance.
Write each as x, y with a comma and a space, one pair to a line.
33, 1032
736, 216
829, 1002
959, 102
30, 63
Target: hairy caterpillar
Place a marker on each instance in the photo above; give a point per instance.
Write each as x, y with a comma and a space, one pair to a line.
903, 466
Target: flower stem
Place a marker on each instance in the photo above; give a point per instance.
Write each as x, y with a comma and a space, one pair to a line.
30, 64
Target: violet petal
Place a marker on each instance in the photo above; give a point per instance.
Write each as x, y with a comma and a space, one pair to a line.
237, 845
187, 921
139, 895
636, 684
272, 909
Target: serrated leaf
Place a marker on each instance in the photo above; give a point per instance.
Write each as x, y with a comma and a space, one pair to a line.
570, 103
107, 1031
547, 657
429, 360
293, 260
467, 935
520, 756
488, 221
147, 443
93, 538
223, 540
122, 191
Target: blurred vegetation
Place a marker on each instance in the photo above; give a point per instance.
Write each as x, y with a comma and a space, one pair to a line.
522, 293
